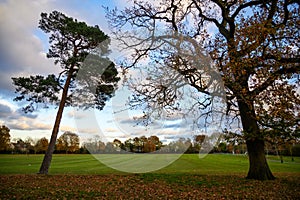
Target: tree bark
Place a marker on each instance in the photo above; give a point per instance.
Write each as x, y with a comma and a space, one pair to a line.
48, 155
258, 168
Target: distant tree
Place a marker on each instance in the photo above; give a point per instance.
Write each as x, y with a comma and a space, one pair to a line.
222, 147
29, 144
281, 143
101, 146
149, 146
129, 145
198, 140
20, 146
179, 146
95, 145
83, 150
118, 145
4, 138
68, 142
71, 42
280, 124
41, 145
30, 140
157, 144
140, 144
143, 141
109, 147
90, 147
92, 144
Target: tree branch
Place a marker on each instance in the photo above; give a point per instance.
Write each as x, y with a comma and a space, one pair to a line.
246, 5
274, 76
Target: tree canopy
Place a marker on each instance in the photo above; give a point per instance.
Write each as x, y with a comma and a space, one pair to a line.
75, 46
68, 142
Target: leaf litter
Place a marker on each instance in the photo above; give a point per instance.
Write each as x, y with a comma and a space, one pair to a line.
147, 186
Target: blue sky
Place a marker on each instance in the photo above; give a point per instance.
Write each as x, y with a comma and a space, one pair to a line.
23, 49
22, 52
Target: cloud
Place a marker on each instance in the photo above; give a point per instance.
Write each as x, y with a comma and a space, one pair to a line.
20, 112
174, 126
172, 132
22, 52
78, 115
88, 130
28, 125
23, 45
4, 111
65, 128
16, 119
81, 130
23, 123
111, 130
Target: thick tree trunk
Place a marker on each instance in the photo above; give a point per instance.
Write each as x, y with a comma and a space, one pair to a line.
259, 168
48, 155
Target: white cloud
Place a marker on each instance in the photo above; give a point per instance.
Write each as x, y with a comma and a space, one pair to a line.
25, 123
88, 130
76, 114
65, 128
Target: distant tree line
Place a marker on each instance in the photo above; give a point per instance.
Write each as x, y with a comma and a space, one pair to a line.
69, 143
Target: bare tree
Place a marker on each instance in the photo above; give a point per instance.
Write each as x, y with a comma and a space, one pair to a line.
254, 49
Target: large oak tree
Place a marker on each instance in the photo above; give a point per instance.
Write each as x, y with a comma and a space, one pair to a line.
253, 44
87, 79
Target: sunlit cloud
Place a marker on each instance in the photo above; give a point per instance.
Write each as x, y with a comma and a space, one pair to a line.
111, 130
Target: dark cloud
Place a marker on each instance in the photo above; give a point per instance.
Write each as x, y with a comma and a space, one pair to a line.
5, 111
20, 112
17, 119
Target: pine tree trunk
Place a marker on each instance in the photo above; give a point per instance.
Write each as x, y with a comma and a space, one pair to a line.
48, 155
259, 168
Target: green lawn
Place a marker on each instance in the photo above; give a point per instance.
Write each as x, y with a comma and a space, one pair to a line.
188, 163
215, 176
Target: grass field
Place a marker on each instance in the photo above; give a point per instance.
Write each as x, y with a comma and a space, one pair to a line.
215, 176
187, 163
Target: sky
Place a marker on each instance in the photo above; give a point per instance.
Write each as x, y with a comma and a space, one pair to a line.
23, 49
